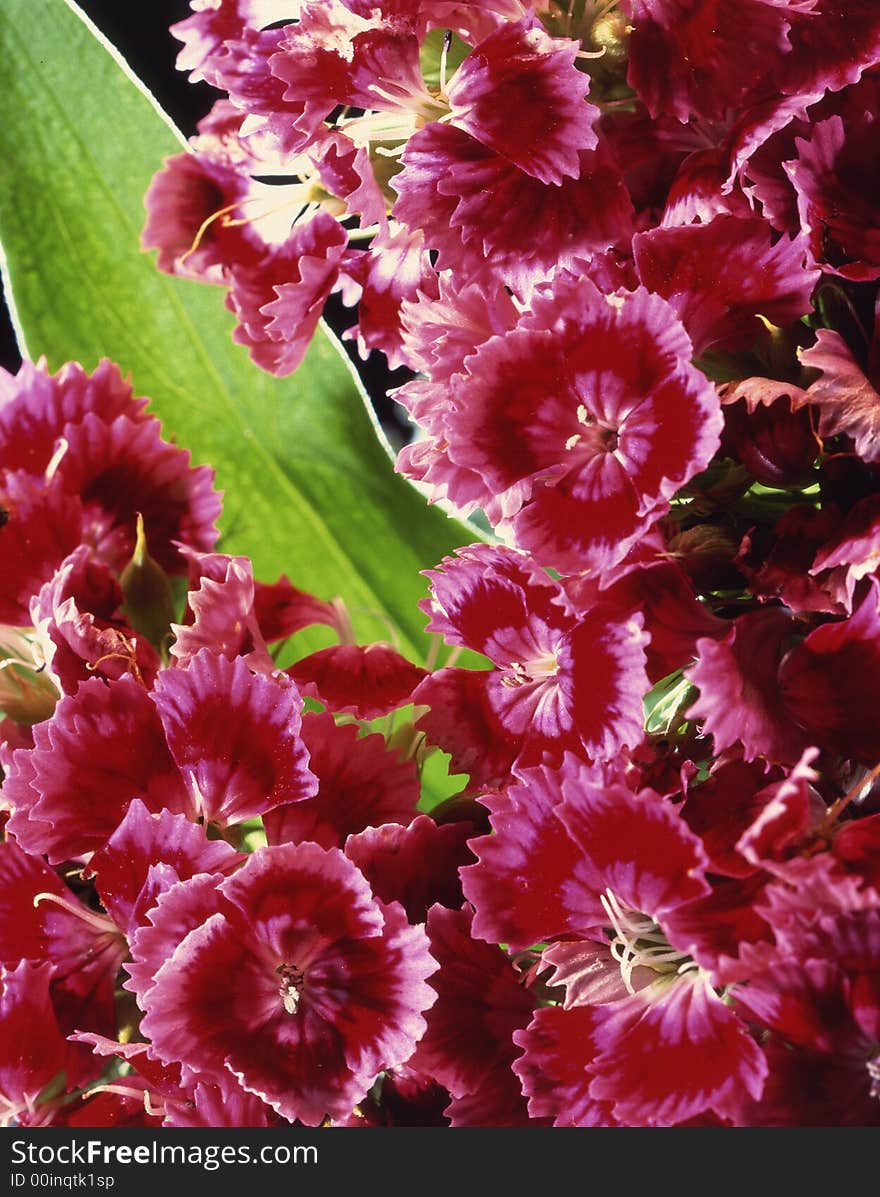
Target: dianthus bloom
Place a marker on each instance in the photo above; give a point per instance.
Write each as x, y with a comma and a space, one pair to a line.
294, 979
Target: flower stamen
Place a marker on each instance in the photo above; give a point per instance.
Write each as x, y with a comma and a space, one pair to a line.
639, 942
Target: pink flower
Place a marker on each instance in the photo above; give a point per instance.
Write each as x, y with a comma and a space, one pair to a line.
719, 277
682, 51
568, 422
301, 985
234, 735
561, 677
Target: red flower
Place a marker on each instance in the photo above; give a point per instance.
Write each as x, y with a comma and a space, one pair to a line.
562, 678
301, 985
581, 423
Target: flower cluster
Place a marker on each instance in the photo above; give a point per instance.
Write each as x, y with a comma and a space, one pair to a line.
628, 252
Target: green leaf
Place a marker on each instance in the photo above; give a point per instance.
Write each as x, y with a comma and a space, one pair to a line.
308, 480
666, 703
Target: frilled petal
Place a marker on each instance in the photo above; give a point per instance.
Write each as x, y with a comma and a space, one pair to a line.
337, 55
144, 839
527, 230
386, 276
738, 680
32, 1049
367, 680
36, 407
480, 1003
222, 606
519, 69
235, 736
304, 987
846, 401
179, 908
681, 51
216, 22
23, 934
831, 176
281, 609
525, 884
484, 590
440, 331
361, 783
602, 680
668, 1054
635, 845
722, 807
555, 1067
850, 553
791, 808
102, 747
121, 469
825, 54
39, 526
660, 592
498, 1102
721, 276
279, 301
724, 931
416, 865
461, 720
77, 615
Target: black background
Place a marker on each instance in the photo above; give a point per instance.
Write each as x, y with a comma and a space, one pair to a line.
139, 30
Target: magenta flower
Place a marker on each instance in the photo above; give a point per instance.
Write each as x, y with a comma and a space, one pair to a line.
568, 422
301, 985
234, 735
561, 678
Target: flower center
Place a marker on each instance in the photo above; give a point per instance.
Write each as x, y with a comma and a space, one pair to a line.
638, 942
594, 436
538, 669
291, 981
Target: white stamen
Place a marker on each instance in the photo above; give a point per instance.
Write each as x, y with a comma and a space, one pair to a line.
640, 943
447, 42
60, 449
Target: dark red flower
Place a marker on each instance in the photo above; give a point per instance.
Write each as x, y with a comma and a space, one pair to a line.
361, 783
102, 747
367, 680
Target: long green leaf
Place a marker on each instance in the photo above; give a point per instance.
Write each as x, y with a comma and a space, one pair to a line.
308, 482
